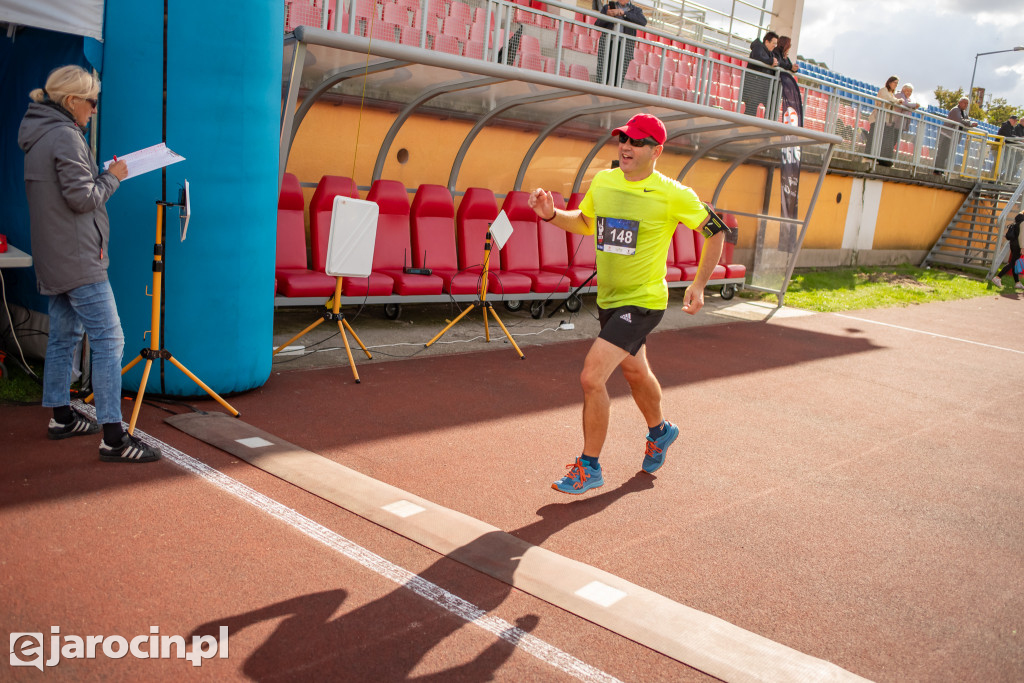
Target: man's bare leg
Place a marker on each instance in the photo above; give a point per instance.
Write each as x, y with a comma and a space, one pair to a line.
601, 361
645, 386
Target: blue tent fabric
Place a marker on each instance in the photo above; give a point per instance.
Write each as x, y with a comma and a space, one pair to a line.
26, 58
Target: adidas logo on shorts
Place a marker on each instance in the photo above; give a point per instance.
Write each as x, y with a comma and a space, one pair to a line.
627, 317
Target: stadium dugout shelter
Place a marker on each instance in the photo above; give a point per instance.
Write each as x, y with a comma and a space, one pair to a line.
411, 80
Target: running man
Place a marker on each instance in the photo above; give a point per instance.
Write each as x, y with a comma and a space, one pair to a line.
632, 210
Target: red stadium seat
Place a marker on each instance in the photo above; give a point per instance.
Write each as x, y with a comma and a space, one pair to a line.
684, 252
582, 250
522, 251
294, 278
477, 211
320, 208
433, 239
698, 245
392, 251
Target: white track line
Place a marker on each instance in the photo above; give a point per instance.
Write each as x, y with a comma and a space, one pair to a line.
510, 633
930, 334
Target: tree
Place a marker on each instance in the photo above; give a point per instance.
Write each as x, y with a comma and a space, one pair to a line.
947, 99
998, 110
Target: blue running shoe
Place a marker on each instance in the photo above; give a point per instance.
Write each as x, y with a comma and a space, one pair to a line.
580, 479
654, 455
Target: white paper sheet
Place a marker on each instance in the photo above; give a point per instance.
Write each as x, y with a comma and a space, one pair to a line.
501, 229
148, 159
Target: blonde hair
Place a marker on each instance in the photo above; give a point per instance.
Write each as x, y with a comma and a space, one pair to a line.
67, 81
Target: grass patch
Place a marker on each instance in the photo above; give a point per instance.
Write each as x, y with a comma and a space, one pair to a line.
845, 289
17, 386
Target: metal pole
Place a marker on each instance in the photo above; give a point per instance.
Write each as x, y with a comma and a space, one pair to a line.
970, 90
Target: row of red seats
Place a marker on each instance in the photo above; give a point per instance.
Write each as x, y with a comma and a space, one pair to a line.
538, 258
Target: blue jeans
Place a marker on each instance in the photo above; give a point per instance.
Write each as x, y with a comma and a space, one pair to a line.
90, 309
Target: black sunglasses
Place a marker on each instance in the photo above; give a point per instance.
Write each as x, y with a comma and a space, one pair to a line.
623, 139
92, 102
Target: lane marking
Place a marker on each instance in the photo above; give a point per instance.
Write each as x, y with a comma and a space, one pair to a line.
697, 639
930, 334
547, 653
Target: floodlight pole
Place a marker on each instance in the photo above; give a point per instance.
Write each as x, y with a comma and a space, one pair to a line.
970, 90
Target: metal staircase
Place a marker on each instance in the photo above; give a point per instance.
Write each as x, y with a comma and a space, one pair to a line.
972, 240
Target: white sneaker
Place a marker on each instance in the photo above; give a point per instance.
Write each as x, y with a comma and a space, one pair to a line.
1019, 285
996, 280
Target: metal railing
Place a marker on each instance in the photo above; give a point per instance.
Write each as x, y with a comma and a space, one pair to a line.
919, 142
562, 39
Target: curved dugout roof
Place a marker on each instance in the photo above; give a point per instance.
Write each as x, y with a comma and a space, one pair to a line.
320, 61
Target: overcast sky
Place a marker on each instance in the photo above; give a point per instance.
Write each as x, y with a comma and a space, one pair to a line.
926, 42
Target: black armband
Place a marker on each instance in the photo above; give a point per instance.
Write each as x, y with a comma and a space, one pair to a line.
714, 224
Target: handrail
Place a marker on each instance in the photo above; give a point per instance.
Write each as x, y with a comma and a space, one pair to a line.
920, 142
1016, 205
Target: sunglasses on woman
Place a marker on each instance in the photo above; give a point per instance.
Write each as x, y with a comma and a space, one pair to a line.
623, 139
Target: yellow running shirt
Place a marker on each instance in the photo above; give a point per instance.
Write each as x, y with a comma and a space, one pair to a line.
633, 226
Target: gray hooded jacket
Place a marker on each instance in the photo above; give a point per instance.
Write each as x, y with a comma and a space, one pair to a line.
67, 198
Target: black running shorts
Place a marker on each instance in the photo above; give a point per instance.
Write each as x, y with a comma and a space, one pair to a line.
628, 327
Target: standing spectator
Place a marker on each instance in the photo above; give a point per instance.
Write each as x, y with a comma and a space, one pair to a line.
621, 52
781, 54
884, 117
1009, 127
1019, 128
762, 60
958, 118
67, 198
1015, 237
904, 96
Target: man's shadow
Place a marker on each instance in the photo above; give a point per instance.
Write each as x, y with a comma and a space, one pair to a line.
384, 640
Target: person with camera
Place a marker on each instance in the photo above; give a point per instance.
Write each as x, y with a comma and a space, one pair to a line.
67, 196
621, 53
632, 211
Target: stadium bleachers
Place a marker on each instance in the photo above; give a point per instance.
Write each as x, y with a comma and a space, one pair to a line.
547, 39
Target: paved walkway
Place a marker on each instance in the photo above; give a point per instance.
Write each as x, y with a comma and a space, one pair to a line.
847, 486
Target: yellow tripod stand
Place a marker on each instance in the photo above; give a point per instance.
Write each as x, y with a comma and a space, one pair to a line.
335, 314
484, 304
156, 350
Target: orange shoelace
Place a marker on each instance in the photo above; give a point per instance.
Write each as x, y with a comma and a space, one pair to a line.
578, 473
651, 449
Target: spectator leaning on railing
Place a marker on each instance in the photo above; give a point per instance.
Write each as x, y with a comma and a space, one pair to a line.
626, 11
755, 87
904, 96
960, 118
781, 54
1009, 127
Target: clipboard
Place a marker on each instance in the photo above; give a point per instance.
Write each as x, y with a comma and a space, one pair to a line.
148, 159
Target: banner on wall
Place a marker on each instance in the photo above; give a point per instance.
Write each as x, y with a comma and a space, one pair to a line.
793, 115
78, 17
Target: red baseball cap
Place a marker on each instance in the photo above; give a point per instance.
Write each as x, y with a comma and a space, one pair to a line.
644, 126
